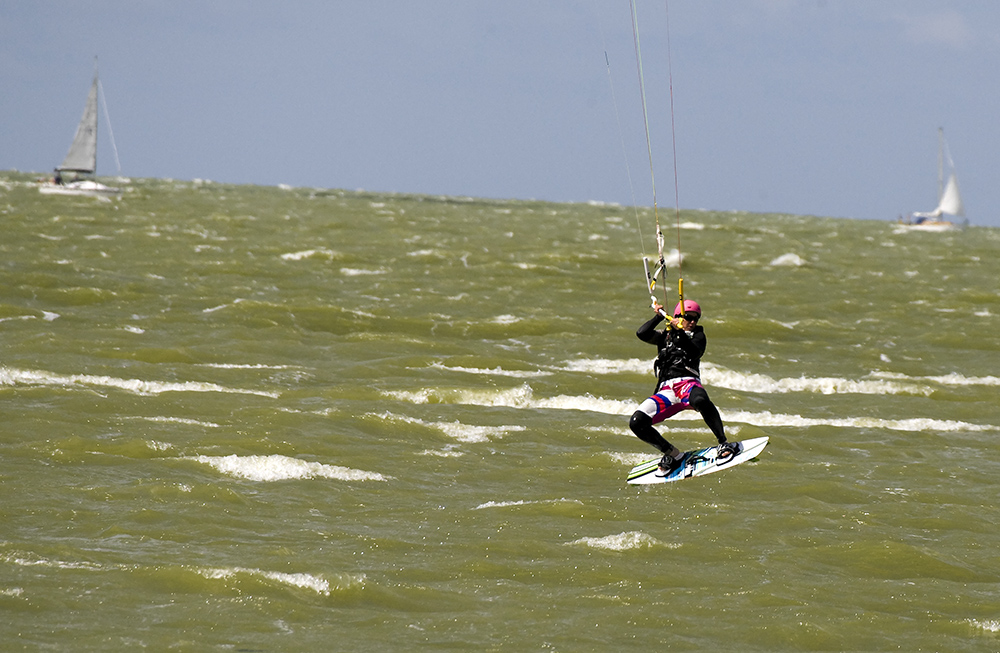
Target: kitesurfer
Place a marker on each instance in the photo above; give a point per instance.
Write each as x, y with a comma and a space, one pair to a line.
678, 383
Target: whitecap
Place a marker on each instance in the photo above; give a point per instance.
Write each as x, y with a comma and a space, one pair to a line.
317, 584
523, 397
308, 253
622, 542
247, 366
916, 424
606, 366
952, 379
496, 371
358, 272
519, 397
673, 259
177, 420
522, 502
280, 468
719, 376
457, 430
12, 376
788, 260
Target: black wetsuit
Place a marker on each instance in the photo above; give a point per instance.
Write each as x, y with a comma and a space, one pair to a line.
678, 355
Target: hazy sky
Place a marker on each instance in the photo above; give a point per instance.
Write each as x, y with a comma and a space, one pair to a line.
820, 107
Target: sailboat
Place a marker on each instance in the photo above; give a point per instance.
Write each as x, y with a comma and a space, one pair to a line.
949, 208
80, 163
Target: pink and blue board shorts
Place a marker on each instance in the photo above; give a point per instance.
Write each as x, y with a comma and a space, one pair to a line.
670, 399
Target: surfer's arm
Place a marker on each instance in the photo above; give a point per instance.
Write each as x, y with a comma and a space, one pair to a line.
647, 332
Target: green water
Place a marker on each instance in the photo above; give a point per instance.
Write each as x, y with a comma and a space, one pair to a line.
241, 418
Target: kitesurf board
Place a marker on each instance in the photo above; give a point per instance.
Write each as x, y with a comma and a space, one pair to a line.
695, 463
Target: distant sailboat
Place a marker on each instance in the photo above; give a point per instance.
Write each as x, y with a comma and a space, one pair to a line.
949, 199
81, 160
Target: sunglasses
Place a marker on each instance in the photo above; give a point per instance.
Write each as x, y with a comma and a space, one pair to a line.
690, 317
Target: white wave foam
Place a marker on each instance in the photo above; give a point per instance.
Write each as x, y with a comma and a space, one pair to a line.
767, 418
309, 253
457, 430
46, 315
280, 468
519, 397
788, 260
177, 420
317, 584
719, 376
24, 560
247, 366
496, 371
359, 272
522, 397
953, 379
630, 459
605, 366
12, 376
990, 626
622, 542
222, 306
716, 375
510, 504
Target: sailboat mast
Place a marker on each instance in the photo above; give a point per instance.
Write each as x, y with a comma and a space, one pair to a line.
940, 163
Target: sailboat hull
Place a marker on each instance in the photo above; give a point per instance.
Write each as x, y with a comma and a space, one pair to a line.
931, 226
85, 188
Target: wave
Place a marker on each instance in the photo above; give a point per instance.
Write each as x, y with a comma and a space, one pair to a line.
913, 424
309, 253
13, 376
457, 430
622, 542
247, 366
281, 468
177, 420
509, 504
880, 383
719, 376
519, 397
522, 397
788, 260
953, 379
496, 371
317, 584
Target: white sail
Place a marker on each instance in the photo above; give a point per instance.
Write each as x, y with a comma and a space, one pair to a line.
82, 155
951, 200
81, 160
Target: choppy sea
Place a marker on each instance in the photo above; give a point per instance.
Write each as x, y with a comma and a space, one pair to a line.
244, 418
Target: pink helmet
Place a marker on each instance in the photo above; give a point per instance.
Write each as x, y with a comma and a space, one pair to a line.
690, 306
